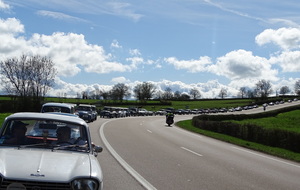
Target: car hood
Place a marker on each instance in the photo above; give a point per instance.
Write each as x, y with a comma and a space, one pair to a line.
43, 165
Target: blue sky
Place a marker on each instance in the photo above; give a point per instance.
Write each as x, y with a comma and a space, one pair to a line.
181, 44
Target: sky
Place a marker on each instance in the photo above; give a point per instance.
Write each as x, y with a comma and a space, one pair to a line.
176, 44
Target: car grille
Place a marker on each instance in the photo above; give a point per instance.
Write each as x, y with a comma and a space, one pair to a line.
36, 185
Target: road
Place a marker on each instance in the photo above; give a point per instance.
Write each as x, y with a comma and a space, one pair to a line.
143, 153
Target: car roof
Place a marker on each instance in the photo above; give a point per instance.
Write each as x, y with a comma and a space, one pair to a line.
59, 104
85, 105
50, 116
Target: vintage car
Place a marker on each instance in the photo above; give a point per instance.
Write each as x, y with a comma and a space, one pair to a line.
36, 154
58, 107
85, 112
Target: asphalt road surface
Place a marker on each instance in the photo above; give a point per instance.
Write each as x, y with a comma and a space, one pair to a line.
144, 153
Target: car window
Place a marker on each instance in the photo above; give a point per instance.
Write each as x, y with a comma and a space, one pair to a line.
42, 132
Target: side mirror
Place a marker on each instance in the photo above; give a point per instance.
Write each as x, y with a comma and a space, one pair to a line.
97, 149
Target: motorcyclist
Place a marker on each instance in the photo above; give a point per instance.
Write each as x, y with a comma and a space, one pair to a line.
170, 118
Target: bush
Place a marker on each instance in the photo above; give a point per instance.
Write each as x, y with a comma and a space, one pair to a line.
271, 137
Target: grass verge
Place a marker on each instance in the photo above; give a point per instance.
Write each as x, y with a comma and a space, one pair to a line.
279, 152
2, 117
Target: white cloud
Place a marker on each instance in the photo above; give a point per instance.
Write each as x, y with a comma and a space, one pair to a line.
11, 26
120, 80
4, 6
289, 61
123, 9
135, 52
285, 38
241, 64
69, 51
192, 66
60, 16
115, 44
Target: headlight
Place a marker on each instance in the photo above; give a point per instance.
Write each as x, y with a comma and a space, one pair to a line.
84, 184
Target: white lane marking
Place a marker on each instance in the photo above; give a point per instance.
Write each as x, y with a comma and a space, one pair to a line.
125, 165
268, 157
149, 131
191, 151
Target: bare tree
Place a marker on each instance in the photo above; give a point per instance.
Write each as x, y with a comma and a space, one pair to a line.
177, 95
223, 93
284, 90
243, 92
144, 91
263, 88
195, 93
119, 91
104, 94
297, 87
168, 94
29, 77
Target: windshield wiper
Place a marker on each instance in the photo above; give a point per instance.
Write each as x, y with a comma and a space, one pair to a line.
33, 145
81, 148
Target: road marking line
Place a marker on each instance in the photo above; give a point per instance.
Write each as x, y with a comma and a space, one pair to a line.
149, 131
268, 157
191, 151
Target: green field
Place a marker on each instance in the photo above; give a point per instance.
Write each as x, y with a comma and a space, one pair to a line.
289, 121
285, 121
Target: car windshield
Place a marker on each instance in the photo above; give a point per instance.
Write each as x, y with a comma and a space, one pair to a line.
56, 109
83, 108
45, 134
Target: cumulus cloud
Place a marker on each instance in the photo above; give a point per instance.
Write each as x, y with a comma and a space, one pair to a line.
241, 64
192, 66
69, 51
4, 6
288, 61
120, 80
11, 26
285, 38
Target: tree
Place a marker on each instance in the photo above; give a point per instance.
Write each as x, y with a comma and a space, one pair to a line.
29, 77
223, 93
168, 94
104, 94
144, 91
177, 95
243, 91
119, 91
297, 87
284, 90
263, 89
195, 93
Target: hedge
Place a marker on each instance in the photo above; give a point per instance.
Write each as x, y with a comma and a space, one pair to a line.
271, 137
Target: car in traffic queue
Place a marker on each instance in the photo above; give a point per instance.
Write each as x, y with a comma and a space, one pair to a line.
33, 157
85, 112
58, 107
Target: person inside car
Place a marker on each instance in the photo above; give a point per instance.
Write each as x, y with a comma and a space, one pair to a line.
18, 132
64, 137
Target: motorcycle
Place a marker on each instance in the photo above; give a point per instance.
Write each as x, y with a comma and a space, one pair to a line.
170, 120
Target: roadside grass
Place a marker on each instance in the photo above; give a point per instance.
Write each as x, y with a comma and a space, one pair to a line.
2, 117
288, 121
279, 152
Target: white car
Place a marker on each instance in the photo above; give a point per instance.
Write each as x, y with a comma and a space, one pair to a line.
32, 157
